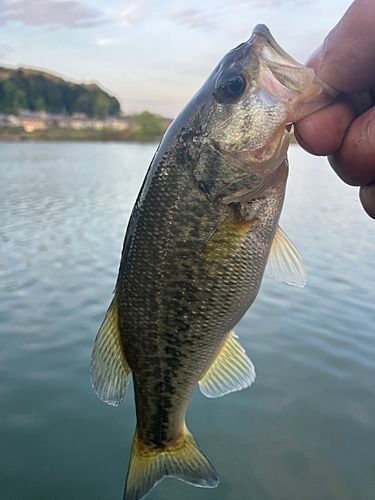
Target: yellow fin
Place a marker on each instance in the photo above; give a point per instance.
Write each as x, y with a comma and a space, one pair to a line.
231, 371
183, 461
225, 241
284, 262
109, 369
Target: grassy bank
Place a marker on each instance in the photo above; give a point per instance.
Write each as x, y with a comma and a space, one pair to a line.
68, 134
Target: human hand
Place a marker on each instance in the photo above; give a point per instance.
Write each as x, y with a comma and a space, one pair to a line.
345, 130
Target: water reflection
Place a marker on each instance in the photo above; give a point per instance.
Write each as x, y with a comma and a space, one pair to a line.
304, 430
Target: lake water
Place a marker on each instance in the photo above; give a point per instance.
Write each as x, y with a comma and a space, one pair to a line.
304, 431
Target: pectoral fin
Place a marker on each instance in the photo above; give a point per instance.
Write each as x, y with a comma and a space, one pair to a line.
109, 369
284, 262
231, 371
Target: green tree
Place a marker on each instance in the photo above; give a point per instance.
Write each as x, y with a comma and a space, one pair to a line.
82, 104
39, 104
37, 90
150, 126
101, 108
12, 98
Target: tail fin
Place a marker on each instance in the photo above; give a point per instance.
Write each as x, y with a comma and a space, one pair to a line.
185, 462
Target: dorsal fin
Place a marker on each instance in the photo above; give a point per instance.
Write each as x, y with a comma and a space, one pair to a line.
109, 369
231, 370
284, 261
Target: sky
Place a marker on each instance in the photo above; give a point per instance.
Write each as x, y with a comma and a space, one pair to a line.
152, 55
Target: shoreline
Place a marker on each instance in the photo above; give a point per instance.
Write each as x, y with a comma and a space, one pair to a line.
145, 127
18, 140
57, 134
85, 135
82, 141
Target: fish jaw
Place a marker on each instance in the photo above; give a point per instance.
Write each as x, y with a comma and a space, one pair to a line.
287, 80
252, 130
284, 92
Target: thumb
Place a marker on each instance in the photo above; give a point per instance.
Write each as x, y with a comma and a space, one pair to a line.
347, 57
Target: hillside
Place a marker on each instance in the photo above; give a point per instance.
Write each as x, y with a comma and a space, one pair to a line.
24, 88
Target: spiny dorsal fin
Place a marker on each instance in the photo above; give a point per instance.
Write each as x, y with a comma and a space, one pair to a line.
284, 262
109, 369
231, 370
184, 461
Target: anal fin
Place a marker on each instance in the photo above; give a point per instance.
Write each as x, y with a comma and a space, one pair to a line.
109, 369
231, 371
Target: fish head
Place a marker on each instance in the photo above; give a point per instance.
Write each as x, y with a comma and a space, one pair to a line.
255, 91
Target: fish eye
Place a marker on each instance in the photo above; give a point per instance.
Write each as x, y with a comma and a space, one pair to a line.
229, 87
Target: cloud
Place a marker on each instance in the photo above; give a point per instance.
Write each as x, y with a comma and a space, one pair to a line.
209, 17
106, 41
266, 4
194, 18
128, 13
65, 13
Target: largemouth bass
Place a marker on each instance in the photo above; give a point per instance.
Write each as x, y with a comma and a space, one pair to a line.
201, 232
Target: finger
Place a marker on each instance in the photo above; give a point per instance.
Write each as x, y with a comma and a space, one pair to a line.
367, 197
354, 162
315, 59
322, 133
346, 60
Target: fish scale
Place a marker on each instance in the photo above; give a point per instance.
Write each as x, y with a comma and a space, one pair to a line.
214, 292
202, 230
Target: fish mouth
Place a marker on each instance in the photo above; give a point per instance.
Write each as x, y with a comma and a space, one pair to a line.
269, 50
288, 80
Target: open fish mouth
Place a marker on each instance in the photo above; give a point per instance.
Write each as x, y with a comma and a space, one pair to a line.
287, 79
279, 92
269, 50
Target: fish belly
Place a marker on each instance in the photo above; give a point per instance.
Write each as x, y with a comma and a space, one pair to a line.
190, 269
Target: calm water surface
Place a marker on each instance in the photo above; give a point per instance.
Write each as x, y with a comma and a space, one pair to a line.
304, 431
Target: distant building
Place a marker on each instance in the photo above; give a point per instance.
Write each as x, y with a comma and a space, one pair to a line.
116, 124
3, 120
28, 120
13, 121
40, 120
114, 128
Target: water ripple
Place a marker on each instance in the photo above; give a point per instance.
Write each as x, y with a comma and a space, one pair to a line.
306, 428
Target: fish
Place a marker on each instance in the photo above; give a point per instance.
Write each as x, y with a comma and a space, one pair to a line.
202, 232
